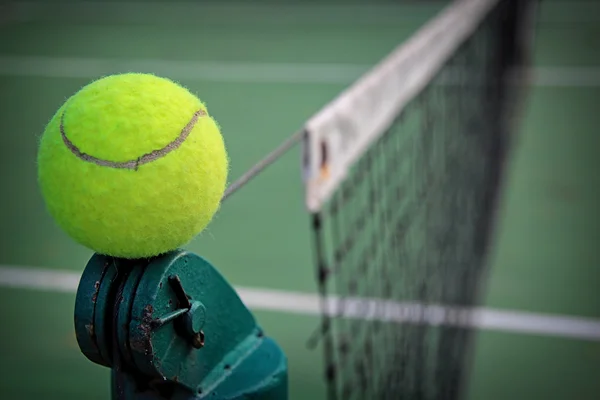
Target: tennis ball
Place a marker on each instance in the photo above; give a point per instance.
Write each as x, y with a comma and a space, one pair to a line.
132, 166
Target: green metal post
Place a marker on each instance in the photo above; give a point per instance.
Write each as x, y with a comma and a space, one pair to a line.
173, 328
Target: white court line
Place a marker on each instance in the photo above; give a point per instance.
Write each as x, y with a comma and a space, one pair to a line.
244, 72
72, 67
309, 304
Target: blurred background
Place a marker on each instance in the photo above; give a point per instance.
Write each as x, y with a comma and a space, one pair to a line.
264, 68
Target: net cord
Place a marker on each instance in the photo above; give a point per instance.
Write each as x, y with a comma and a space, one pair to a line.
331, 112
348, 125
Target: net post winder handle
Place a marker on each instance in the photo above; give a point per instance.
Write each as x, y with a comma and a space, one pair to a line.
172, 327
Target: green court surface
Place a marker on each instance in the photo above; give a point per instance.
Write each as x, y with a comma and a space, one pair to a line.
263, 70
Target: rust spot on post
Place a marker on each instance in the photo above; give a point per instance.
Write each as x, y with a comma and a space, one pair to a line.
143, 343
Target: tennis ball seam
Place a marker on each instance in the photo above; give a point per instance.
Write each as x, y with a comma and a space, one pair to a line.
131, 164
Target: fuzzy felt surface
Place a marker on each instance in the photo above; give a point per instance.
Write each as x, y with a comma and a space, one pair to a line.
118, 175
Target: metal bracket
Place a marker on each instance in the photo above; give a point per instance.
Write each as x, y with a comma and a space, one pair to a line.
172, 327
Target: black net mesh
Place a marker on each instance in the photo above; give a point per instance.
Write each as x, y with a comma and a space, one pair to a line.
411, 225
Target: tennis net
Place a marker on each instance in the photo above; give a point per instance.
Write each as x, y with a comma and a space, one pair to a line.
402, 171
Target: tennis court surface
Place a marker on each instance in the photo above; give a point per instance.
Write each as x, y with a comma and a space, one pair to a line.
263, 71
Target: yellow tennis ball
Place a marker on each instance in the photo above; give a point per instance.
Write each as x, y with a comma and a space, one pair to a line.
132, 166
